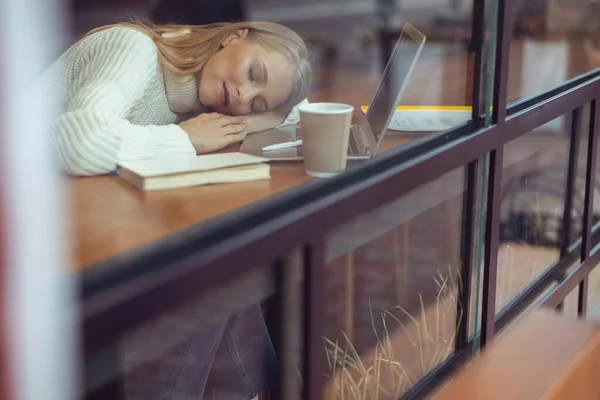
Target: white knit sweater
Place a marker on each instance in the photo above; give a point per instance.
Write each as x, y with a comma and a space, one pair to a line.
112, 102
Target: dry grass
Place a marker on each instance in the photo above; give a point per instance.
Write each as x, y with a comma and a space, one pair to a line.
407, 348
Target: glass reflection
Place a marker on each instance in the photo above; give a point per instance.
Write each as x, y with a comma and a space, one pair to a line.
552, 42
393, 280
594, 294
216, 346
533, 198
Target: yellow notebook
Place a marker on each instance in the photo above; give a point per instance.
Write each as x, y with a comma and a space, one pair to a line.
427, 118
427, 108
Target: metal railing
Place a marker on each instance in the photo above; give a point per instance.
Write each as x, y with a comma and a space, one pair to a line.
123, 292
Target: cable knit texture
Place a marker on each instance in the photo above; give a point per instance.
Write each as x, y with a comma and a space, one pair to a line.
114, 104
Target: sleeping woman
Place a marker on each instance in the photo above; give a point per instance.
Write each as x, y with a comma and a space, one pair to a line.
126, 91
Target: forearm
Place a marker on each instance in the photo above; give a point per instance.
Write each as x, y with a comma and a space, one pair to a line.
91, 142
262, 121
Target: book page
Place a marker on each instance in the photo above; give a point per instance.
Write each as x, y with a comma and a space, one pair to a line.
177, 165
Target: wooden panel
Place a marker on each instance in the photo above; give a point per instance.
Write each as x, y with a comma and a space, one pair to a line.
542, 356
582, 380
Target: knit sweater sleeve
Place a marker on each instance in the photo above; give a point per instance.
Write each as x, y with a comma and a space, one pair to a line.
293, 116
93, 135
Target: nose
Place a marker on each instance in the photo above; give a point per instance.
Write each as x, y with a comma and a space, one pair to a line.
247, 92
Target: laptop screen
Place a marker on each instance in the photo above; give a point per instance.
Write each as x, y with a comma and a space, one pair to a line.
394, 78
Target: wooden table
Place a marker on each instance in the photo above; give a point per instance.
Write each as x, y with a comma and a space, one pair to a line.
110, 217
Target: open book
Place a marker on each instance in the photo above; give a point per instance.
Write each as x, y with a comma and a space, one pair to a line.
171, 173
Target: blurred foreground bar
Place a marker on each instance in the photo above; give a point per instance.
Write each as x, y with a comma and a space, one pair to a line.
542, 356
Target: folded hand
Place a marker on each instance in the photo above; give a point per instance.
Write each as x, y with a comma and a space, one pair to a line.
214, 131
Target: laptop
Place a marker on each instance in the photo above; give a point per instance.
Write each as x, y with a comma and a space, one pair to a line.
367, 131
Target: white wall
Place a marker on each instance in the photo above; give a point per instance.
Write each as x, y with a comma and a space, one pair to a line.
39, 293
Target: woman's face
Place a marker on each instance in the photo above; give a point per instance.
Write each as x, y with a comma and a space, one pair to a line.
243, 78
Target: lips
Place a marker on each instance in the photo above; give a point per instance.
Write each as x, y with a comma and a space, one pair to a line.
225, 95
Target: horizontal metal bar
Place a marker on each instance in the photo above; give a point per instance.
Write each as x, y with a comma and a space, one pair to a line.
570, 282
549, 109
525, 103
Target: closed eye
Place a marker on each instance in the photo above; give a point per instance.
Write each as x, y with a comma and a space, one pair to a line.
255, 75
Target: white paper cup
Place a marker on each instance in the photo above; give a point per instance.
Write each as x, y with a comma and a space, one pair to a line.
325, 134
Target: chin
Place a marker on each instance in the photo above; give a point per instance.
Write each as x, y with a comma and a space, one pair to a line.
212, 106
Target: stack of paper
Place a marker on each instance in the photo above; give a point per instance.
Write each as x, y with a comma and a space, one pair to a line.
428, 118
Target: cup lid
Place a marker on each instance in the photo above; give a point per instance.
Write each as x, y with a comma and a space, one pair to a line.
325, 108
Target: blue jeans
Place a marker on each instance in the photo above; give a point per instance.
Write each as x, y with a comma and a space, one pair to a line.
229, 361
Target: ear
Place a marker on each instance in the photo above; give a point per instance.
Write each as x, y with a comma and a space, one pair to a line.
235, 36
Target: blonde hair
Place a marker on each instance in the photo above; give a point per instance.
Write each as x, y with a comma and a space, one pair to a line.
187, 54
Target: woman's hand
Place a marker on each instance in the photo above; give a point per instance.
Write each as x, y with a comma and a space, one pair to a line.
214, 131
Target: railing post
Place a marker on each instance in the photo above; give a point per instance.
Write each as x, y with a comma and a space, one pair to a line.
466, 256
588, 210
590, 180
500, 95
505, 24
565, 239
478, 47
286, 335
492, 228
314, 319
